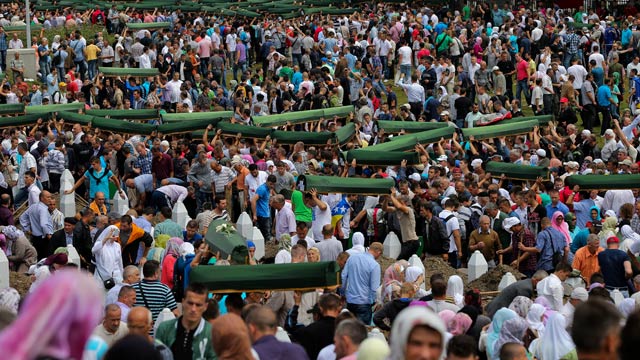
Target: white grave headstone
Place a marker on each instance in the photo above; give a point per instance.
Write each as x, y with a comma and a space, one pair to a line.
477, 265
414, 260
74, 257
391, 246
4, 270
67, 202
180, 214
244, 225
617, 297
120, 204
258, 240
506, 280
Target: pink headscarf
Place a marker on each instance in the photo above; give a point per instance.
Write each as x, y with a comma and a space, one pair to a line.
564, 228
548, 310
56, 320
446, 316
460, 324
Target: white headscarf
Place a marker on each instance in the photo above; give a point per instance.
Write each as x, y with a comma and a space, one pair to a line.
405, 322
634, 239
187, 249
455, 289
627, 307
358, 244
534, 318
413, 273
556, 341
110, 231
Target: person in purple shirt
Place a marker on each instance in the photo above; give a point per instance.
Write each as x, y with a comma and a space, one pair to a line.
262, 328
241, 59
6, 215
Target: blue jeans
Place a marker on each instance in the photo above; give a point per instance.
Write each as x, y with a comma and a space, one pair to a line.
44, 70
383, 60
523, 85
93, 68
406, 70
362, 312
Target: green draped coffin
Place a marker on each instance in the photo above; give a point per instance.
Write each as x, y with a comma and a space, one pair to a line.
543, 120
10, 109
22, 120
493, 131
409, 141
300, 117
395, 127
345, 133
121, 126
246, 130
514, 171
271, 277
39, 109
381, 158
186, 126
128, 72
74, 117
214, 117
309, 138
227, 243
333, 184
149, 26
604, 182
144, 114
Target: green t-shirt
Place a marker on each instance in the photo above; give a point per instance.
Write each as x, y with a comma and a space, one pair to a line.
466, 12
286, 71
443, 41
302, 212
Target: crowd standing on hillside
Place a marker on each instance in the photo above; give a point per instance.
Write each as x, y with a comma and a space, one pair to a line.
464, 65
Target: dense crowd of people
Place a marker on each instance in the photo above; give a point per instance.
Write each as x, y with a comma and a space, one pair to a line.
465, 65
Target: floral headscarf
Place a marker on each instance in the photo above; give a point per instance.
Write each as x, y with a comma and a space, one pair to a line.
512, 331
173, 246
521, 305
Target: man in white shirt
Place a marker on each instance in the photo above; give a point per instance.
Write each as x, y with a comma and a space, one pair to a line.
253, 180
579, 72
174, 86
145, 61
597, 57
285, 219
301, 234
329, 246
551, 287
321, 214
405, 59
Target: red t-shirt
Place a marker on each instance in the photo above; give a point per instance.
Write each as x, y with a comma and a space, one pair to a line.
522, 68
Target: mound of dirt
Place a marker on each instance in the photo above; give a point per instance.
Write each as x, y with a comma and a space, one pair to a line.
270, 249
384, 262
491, 280
20, 282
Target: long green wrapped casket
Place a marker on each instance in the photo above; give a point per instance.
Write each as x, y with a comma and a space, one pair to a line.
517, 172
300, 117
143, 114
381, 158
128, 72
271, 277
493, 131
604, 182
409, 141
228, 243
9, 109
40, 109
395, 127
213, 116
354, 185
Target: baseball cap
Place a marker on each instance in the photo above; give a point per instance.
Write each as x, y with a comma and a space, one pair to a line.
586, 133
414, 177
613, 240
541, 153
443, 158
609, 132
476, 163
626, 162
564, 100
495, 68
444, 113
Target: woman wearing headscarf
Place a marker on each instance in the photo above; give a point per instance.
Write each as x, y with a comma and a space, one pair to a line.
284, 254
534, 320
455, 290
608, 230
20, 252
459, 324
416, 322
171, 255
548, 309
512, 331
358, 244
415, 275
558, 223
594, 211
631, 238
627, 307
571, 220
393, 279
108, 255
231, 338
183, 263
10, 300
556, 343
446, 316
521, 305
489, 338
56, 320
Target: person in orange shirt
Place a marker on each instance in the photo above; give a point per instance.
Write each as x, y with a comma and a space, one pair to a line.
586, 258
98, 205
238, 165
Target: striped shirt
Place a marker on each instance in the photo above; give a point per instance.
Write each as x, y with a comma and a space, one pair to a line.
221, 179
158, 296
